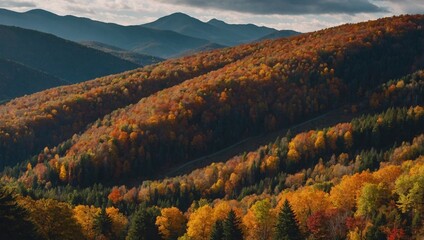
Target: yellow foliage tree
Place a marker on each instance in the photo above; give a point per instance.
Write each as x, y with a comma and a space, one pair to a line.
200, 223
348, 139
53, 219
119, 221
260, 220
306, 201
63, 173
320, 141
345, 194
293, 155
388, 175
171, 223
85, 216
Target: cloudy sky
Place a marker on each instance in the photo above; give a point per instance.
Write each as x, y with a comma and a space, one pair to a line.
300, 15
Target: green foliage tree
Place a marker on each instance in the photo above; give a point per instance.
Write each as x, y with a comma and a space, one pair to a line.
103, 224
372, 197
52, 219
143, 225
375, 232
287, 227
217, 231
231, 227
14, 219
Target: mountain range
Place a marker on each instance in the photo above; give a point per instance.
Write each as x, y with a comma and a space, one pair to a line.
47, 43
166, 37
214, 31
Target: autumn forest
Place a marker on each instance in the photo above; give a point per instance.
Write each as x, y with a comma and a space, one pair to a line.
314, 136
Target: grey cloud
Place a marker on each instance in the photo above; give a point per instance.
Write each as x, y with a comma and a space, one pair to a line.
289, 7
17, 4
78, 9
404, 6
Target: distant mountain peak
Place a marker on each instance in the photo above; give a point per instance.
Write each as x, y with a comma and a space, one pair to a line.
214, 20
39, 11
179, 16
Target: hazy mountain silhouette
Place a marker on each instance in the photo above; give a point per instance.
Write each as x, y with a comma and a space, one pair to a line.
134, 38
279, 34
134, 57
61, 58
249, 32
17, 80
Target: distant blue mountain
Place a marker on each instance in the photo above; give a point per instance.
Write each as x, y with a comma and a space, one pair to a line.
17, 80
279, 34
214, 31
170, 36
58, 57
134, 38
134, 57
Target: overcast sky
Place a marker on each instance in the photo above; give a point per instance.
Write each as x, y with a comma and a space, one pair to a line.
300, 15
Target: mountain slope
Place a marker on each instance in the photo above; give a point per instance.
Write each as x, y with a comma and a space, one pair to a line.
284, 82
377, 157
207, 47
279, 34
134, 57
17, 80
58, 57
52, 116
133, 38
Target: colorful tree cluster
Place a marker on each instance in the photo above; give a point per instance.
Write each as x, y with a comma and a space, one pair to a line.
298, 77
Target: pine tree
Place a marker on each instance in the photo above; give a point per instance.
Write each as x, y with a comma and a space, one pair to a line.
14, 221
374, 232
217, 231
287, 227
231, 227
103, 224
143, 225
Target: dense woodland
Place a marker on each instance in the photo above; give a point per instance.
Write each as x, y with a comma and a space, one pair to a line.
254, 95
30, 123
360, 179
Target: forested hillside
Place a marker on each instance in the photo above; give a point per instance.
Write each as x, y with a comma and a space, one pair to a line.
353, 180
30, 123
87, 161
285, 81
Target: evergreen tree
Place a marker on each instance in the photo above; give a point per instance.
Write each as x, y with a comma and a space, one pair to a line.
231, 227
14, 221
287, 227
103, 224
374, 232
217, 231
143, 225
